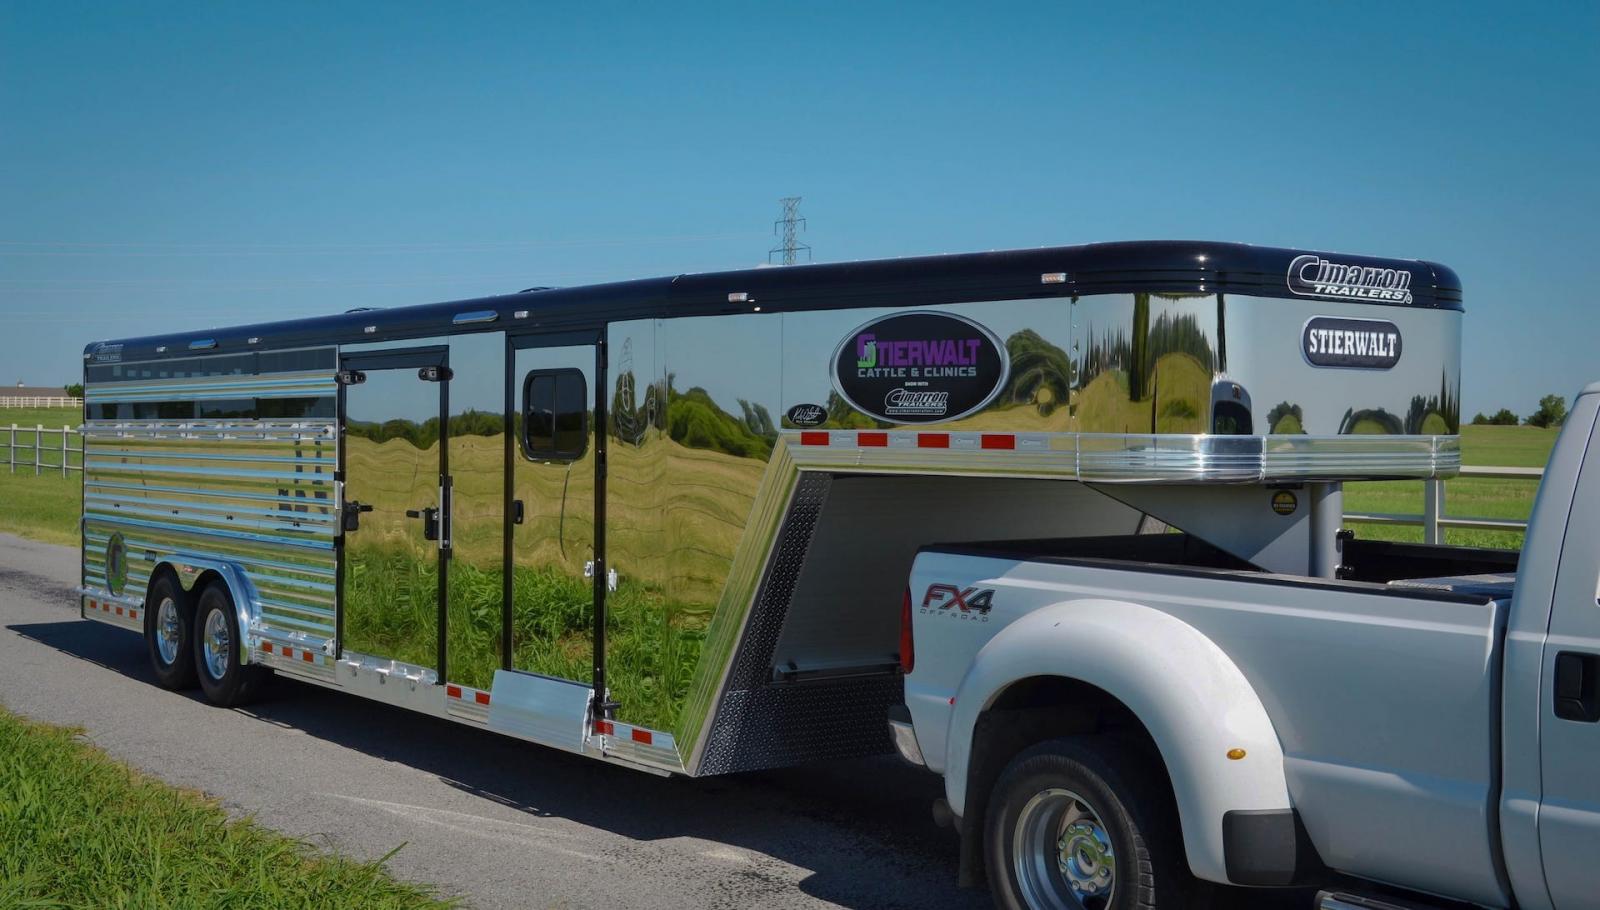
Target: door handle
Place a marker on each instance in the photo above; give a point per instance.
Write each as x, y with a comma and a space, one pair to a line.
351, 519
1578, 686
430, 521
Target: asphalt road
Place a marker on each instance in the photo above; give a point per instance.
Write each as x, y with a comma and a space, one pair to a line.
498, 822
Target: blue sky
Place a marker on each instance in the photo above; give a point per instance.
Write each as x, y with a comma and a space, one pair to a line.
175, 165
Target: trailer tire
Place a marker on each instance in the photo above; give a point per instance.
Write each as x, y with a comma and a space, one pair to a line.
224, 677
1124, 851
169, 633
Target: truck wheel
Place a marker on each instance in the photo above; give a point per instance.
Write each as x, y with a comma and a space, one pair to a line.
169, 633
1085, 823
223, 675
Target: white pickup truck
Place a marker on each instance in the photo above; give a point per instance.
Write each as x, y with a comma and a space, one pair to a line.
1121, 721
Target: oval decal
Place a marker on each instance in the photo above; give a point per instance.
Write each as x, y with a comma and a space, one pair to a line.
116, 563
920, 367
807, 415
1362, 344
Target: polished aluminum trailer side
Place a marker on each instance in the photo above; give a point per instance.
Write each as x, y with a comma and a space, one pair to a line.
668, 522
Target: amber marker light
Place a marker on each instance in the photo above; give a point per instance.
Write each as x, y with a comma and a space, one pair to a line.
1235, 754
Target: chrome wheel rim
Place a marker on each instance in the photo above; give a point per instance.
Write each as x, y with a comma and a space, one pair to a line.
215, 644
1062, 854
167, 630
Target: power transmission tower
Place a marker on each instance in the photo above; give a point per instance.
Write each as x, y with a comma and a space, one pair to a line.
788, 226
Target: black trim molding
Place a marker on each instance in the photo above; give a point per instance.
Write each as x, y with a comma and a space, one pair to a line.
1268, 847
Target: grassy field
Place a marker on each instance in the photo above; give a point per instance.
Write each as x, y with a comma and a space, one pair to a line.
77, 829
44, 507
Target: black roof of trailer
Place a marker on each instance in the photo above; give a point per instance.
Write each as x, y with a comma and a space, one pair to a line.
1173, 266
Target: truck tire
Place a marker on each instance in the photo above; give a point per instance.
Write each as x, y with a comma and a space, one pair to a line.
1086, 823
169, 633
224, 677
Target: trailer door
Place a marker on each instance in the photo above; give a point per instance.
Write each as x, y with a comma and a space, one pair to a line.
395, 539
557, 543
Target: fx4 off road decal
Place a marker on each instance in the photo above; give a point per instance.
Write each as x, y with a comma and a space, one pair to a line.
971, 603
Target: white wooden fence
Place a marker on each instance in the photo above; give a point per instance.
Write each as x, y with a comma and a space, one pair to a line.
17, 401
1434, 519
43, 448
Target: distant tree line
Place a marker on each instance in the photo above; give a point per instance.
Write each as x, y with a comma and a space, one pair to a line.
1552, 413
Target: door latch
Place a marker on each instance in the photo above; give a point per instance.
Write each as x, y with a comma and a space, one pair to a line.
430, 521
351, 519
1578, 686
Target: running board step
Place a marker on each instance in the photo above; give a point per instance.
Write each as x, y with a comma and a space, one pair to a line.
1329, 900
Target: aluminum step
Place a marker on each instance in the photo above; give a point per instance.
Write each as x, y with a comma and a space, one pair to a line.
1333, 900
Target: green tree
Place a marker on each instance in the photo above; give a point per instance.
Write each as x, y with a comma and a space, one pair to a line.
1552, 412
74, 390
1478, 420
1504, 418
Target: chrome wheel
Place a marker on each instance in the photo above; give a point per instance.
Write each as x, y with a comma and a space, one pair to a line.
1062, 854
215, 644
167, 630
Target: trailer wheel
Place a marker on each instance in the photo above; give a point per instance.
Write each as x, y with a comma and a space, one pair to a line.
1086, 823
169, 633
223, 675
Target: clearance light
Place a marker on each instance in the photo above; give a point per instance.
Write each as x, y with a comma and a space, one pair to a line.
1053, 278
1235, 754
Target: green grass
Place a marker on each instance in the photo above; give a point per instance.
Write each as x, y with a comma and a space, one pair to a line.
78, 829
45, 507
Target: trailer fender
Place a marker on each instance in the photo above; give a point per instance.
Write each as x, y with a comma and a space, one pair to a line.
1219, 746
190, 569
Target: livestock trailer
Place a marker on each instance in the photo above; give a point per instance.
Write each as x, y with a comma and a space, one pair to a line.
668, 522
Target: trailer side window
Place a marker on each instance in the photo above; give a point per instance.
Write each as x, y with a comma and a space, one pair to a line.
555, 415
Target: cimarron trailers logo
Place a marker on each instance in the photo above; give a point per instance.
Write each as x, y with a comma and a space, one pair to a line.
1313, 276
920, 367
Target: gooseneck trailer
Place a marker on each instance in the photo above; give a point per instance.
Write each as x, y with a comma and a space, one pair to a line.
670, 523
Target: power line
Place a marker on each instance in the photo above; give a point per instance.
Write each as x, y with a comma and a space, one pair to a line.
788, 226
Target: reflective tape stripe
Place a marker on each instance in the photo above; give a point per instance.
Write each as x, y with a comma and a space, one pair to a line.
883, 439
288, 653
460, 694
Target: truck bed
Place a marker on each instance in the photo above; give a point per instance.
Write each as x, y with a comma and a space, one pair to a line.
1383, 684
